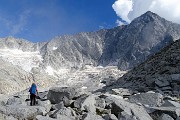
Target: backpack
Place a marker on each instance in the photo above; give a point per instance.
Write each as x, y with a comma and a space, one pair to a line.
33, 89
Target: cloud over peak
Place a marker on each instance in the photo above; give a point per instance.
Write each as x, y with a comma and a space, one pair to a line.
127, 10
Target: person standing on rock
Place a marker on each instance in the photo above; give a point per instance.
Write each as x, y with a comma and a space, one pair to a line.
33, 92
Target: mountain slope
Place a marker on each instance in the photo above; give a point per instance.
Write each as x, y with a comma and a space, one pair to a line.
160, 72
145, 36
125, 46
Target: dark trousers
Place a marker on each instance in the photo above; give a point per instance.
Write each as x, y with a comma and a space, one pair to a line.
33, 99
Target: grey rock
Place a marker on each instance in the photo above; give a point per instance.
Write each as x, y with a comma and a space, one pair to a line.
122, 92
100, 102
46, 104
165, 117
109, 117
63, 117
56, 95
15, 101
90, 116
89, 104
22, 112
120, 105
172, 111
59, 105
65, 112
66, 101
79, 101
162, 83
40, 117
42, 95
125, 116
151, 99
169, 103
175, 77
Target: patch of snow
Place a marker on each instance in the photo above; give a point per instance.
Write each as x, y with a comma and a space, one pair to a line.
84, 87
54, 48
26, 60
49, 70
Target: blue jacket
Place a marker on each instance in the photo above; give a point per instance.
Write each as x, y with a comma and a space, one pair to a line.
33, 89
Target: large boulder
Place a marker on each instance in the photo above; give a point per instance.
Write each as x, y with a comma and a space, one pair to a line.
21, 111
16, 101
158, 111
57, 94
120, 105
165, 117
151, 99
170, 103
46, 104
65, 112
86, 103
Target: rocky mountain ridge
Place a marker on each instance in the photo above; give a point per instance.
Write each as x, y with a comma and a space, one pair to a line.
160, 73
124, 46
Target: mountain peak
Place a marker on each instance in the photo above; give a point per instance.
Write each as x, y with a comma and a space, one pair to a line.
148, 17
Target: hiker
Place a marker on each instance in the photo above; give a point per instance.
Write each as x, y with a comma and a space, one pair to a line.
33, 92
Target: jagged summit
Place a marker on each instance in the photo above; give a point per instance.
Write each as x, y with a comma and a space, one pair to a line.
149, 16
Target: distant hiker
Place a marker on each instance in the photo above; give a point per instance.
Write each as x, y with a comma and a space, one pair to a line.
33, 92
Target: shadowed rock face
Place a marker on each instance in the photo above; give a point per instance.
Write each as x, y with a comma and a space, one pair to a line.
160, 72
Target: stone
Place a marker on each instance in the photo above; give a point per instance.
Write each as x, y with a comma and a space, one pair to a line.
79, 101
89, 104
91, 116
109, 117
125, 116
170, 103
63, 111
120, 105
40, 117
42, 95
21, 111
59, 105
122, 92
3, 99
15, 101
100, 102
86, 103
172, 111
63, 117
46, 104
151, 99
175, 77
163, 83
66, 101
56, 94
165, 117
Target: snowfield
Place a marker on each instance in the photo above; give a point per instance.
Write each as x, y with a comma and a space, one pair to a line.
26, 60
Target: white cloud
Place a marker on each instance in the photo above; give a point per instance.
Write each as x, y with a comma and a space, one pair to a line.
122, 8
130, 9
120, 22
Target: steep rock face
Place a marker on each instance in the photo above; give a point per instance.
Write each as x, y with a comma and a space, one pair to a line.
74, 50
125, 46
145, 36
160, 72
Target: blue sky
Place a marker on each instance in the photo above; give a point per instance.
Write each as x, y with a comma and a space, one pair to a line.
42, 20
